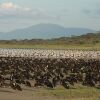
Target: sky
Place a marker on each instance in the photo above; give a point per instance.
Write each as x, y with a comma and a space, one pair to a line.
16, 14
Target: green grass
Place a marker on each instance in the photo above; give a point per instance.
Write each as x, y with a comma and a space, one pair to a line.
77, 93
48, 46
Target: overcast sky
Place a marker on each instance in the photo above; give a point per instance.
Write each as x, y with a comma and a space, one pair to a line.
16, 14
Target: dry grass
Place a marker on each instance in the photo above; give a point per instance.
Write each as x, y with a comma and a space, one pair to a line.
59, 93
47, 46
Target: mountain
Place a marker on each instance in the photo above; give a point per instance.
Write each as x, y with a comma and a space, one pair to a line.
44, 31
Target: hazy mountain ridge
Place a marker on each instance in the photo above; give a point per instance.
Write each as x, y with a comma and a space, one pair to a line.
44, 31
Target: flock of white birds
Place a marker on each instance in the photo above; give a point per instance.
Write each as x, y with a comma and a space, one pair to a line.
39, 53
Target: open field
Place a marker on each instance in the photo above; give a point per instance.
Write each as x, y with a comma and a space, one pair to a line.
59, 93
48, 46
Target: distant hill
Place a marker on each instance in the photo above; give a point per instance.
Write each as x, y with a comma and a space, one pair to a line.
44, 31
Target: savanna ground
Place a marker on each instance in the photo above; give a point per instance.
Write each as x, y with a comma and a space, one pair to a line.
59, 93
50, 46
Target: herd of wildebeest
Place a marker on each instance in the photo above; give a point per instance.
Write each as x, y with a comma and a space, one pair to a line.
49, 68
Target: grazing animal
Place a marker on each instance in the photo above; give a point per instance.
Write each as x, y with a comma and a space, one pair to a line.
28, 83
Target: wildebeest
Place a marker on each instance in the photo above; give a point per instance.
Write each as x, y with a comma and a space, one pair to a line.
49, 71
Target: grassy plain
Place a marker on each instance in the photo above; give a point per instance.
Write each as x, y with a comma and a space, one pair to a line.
54, 46
77, 93
59, 93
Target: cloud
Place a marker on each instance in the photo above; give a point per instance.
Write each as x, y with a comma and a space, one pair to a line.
89, 12
97, 11
11, 10
8, 5
11, 6
86, 11
39, 14
92, 13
